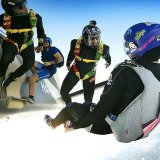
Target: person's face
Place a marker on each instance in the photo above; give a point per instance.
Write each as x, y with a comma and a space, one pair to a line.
45, 44
20, 10
94, 41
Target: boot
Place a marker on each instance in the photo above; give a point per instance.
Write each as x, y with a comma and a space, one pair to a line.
49, 120
7, 81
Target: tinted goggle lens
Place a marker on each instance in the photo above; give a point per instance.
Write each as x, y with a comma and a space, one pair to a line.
46, 41
130, 47
95, 38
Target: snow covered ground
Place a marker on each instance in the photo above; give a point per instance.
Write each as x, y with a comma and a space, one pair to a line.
27, 137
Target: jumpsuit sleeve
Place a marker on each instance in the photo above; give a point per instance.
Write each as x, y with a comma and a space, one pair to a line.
1, 20
40, 30
106, 54
112, 92
71, 55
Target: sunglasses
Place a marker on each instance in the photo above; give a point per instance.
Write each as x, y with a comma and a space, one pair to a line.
45, 42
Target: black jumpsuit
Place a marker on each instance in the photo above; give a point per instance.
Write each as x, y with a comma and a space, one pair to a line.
10, 50
122, 89
71, 79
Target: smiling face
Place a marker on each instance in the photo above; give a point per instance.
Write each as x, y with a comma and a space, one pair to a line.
45, 44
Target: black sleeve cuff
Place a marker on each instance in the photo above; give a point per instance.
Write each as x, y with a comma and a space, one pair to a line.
68, 64
40, 42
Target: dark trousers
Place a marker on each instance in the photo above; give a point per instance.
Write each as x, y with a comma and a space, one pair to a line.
101, 127
76, 111
73, 111
70, 81
62, 117
9, 52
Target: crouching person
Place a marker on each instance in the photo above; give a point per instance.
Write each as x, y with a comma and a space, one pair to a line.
51, 58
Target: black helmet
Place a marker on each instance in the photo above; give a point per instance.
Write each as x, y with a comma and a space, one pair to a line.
9, 5
91, 32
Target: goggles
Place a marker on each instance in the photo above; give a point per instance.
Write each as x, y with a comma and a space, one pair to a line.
93, 40
130, 47
21, 9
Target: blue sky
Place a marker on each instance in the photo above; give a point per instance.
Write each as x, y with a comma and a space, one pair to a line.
64, 20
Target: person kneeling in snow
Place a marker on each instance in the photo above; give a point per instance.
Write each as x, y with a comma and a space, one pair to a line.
130, 103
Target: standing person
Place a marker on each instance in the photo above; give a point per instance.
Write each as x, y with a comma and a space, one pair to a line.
19, 23
130, 103
86, 52
51, 58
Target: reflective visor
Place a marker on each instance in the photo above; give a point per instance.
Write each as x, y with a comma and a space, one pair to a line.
93, 40
130, 47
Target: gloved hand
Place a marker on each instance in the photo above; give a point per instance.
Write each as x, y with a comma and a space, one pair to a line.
38, 49
107, 65
47, 63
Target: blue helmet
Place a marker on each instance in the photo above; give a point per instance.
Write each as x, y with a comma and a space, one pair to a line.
47, 39
141, 38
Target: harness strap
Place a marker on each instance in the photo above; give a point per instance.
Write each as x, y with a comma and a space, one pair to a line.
33, 18
24, 46
85, 60
99, 54
13, 31
89, 74
7, 23
150, 127
147, 129
7, 26
12, 41
76, 71
78, 47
